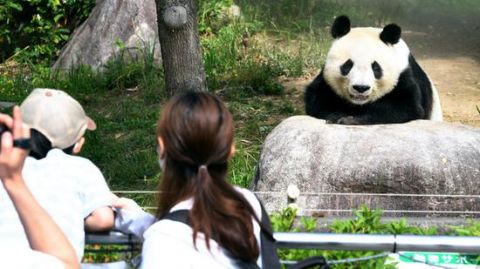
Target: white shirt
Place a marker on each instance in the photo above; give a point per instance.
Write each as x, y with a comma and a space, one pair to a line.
169, 244
28, 259
68, 187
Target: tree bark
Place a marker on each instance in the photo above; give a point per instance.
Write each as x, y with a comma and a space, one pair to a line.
178, 33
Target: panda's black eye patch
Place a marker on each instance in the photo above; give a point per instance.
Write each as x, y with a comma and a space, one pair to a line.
346, 67
377, 70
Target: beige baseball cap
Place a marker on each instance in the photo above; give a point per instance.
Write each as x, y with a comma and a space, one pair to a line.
56, 115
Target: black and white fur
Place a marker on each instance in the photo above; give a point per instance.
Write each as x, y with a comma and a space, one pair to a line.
370, 77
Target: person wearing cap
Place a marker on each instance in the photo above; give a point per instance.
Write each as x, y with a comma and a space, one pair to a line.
70, 188
49, 248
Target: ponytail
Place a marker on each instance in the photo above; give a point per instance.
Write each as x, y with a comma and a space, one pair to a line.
221, 212
202, 201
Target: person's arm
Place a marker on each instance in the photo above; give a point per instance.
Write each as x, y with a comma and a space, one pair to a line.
96, 198
101, 219
130, 218
42, 232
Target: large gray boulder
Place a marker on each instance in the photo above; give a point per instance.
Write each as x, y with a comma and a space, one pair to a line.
113, 25
393, 167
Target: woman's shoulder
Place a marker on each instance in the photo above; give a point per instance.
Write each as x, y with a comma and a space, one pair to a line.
164, 242
169, 229
174, 241
251, 198
245, 192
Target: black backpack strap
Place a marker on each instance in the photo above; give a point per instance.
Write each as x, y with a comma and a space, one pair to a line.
179, 215
269, 249
267, 241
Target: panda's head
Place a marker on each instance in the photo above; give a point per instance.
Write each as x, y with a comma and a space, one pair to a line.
364, 64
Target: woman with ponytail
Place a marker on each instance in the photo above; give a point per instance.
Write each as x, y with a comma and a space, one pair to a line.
195, 137
195, 142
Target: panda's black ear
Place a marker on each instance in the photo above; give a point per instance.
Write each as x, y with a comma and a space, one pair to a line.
391, 34
340, 27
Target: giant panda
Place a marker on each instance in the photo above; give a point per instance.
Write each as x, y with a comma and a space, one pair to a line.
370, 77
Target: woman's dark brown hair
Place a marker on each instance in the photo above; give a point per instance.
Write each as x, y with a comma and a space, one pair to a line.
197, 134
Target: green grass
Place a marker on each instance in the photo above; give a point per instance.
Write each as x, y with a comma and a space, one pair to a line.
298, 16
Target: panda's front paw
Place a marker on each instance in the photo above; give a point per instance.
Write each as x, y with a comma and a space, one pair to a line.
334, 117
349, 120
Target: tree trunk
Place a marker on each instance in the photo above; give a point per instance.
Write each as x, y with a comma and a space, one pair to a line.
178, 33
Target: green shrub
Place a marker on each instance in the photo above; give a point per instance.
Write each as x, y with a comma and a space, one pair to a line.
471, 229
366, 221
35, 30
212, 15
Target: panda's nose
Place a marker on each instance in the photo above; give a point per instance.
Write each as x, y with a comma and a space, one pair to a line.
361, 88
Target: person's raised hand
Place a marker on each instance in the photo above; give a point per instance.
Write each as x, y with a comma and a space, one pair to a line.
12, 157
125, 204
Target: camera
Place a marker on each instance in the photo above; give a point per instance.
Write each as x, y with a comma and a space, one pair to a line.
23, 143
3, 128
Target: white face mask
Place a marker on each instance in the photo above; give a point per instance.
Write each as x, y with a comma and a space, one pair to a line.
161, 162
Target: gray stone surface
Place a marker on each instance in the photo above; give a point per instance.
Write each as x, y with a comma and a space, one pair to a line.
419, 157
130, 22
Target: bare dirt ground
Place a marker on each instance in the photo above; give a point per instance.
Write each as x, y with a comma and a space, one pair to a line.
447, 46
458, 82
